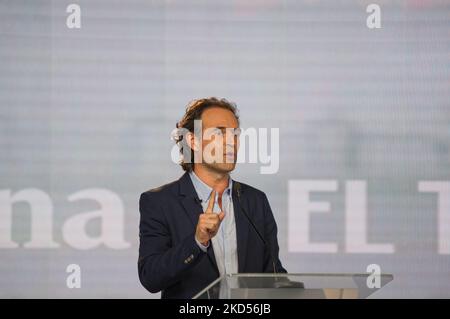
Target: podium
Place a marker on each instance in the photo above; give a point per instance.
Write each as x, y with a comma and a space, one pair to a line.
294, 286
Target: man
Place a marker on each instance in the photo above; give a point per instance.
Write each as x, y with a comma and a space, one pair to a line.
205, 225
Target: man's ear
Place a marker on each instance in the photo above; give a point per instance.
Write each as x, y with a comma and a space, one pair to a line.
192, 141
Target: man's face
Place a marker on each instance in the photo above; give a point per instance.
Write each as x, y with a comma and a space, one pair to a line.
220, 141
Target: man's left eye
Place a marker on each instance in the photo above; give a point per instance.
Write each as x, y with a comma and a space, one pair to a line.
232, 131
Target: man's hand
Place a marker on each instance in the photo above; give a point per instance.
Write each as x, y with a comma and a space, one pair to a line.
208, 222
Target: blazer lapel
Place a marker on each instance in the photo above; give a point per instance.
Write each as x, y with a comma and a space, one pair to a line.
193, 209
242, 229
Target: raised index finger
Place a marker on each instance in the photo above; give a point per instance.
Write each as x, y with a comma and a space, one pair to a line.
209, 209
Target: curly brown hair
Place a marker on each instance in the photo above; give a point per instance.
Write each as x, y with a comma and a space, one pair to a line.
194, 111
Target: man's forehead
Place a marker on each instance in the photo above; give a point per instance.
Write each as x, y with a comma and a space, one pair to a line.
220, 118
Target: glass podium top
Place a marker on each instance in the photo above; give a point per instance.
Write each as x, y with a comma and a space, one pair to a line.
294, 286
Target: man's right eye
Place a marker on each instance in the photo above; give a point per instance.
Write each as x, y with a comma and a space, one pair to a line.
218, 132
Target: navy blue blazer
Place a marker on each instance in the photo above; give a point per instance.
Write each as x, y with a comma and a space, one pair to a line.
169, 257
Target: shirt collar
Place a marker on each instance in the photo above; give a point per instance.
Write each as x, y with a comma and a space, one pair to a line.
203, 190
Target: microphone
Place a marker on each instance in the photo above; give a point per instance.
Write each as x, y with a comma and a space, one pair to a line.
237, 188
278, 284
